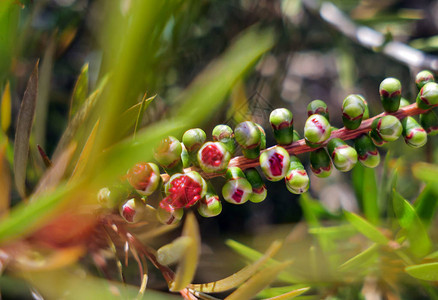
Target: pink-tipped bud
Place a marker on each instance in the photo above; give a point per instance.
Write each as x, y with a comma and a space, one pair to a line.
144, 177
132, 210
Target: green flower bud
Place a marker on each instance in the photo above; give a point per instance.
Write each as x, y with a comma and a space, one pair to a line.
318, 107
237, 191
404, 102
353, 109
248, 136
259, 191
132, 210
183, 190
428, 95
193, 139
388, 128
377, 139
422, 78
210, 205
282, 121
317, 130
234, 173
275, 163
105, 197
414, 135
144, 178
429, 121
185, 157
390, 94
168, 154
320, 163
366, 113
367, 153
296, 136
224, 134
213, 157
169, 217
344, 156
297, 180
262, 137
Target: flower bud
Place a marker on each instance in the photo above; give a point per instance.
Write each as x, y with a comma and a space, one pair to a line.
377, 139
185, 157
262, 137
275, 163
353, 109
144, 178
105, 197
282, 121
366, 113
388, 128
316, 130
234, 173
367, 153
320, 163
183, 190
213, 157
429, 121
210, 205
193, 139
422, 78
224, 134
248, 136
414, 135
344, 156
169, 217
318, 107
390, 94
237, 191
297, 180
168, 154
428, 95
259, 191
132, 210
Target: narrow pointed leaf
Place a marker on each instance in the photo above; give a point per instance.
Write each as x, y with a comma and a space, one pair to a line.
419, 241
365, 185
357, 262
144, 105
257, 282
187, 266
5, 181
426, 204
44, 157
290, 295
271, 293
131, 118
5, 108
238, 278
80, 92
427, 272
366, 228
426, 172
22, 134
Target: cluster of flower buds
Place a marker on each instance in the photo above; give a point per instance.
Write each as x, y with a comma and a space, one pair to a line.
187, 188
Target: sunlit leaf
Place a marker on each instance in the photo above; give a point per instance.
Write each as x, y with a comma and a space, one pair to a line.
334, 232
426, 172
5, 108
187, 265
239, 107
359, 261
291, 294
366, 228
80, 91
281, 290
257, 282
237, 278
131, 118
419, 241
368, 192
144, 105
424, 271
22, 133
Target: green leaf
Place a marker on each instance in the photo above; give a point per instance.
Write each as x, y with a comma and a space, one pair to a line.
357, 262
426, 172
281, 290
420, 243
5, 108
80, 92
368, 192
366, 228
334, 232
5, 181
22, 133
426, 204
291, 294
424, 271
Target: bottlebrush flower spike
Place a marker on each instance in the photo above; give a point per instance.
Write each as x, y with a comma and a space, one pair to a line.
248, 136
144, 178
213, 157
168, 154
390, 94
275, 163
353, 109
422, 78
428, 95
318, 107
320, 163
224, 134
414, 135
183, 191
387, 128
317, 130
282, 121
297, 180
259, 191
344, 156
367, 152
132, 210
